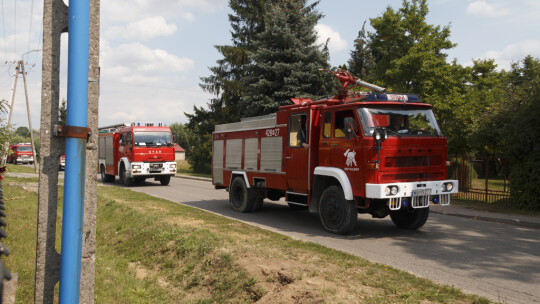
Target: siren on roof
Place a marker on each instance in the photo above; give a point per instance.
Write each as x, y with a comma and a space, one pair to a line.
393, 97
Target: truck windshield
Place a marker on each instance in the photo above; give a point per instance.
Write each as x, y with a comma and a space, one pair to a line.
153, 139
399, 122
24, 148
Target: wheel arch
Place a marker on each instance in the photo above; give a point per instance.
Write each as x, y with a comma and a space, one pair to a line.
234, 174
328, 176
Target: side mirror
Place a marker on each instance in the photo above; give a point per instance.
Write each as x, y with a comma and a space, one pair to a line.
380, 135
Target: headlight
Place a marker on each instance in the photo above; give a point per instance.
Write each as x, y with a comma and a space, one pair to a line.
449, 187
135, 166
173, 166
391, 190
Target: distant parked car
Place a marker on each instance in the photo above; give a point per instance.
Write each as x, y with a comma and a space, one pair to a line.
62, 164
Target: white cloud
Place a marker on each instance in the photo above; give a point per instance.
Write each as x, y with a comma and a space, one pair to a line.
129, 10
143, 29
513, 53
483, 8
136, 63
336, 43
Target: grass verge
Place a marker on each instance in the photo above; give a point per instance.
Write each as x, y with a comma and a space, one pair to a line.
20, 168
184, 168
150, 250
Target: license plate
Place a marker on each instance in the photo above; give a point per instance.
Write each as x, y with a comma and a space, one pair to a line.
421, 192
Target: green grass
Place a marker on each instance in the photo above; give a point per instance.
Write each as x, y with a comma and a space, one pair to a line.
20, 168
184, 168
151, 250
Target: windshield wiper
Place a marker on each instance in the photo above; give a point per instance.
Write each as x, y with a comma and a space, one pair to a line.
392, 131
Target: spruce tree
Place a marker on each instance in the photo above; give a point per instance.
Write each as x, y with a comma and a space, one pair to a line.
225, 81
362, 63
286, 60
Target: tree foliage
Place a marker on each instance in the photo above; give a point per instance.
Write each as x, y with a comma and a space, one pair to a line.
232, 75
512, 128
286, 61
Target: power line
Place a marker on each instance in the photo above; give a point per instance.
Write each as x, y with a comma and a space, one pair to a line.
4, 28
15, 28
30, 28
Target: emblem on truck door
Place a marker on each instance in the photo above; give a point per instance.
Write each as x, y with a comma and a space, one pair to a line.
351, 158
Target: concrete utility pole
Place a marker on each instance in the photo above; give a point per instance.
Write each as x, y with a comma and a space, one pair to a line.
55, 22
20, 70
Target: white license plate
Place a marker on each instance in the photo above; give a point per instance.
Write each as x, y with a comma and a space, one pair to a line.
421, 192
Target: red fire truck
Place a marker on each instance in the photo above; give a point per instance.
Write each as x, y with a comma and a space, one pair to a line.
136, 152
375, 153
21, 153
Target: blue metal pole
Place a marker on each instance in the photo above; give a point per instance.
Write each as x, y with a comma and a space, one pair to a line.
77, 116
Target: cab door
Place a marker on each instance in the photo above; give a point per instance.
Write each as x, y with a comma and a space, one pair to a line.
340, 143
296, 154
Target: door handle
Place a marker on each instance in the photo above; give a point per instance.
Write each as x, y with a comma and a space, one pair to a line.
288, 157
333, 145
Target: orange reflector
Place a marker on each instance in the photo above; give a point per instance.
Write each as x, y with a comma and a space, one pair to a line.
372, 165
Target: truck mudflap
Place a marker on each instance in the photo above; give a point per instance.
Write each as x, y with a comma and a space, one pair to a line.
417, 194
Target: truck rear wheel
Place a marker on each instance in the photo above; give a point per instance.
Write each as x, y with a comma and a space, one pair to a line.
337, 214
410, 218
105, 178
165, 180
239, 196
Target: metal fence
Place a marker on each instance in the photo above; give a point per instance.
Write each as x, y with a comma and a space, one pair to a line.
481, 178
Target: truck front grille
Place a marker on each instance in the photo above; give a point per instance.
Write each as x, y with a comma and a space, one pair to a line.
412, 161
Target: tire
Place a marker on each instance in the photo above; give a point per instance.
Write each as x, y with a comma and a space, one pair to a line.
128, 182
106, 178
103, 175
337, 214
165, 180
410, 218
239, 196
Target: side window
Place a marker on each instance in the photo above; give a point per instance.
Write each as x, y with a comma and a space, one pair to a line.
327, 126
345, 125
129, 140
298, 130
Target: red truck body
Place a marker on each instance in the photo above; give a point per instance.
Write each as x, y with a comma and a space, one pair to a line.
349, 161
135, 152
21, 153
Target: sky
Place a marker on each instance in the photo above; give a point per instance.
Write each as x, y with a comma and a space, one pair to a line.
154, 52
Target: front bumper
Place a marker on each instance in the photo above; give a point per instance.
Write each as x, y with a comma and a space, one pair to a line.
25, 159
152, 169
420, 193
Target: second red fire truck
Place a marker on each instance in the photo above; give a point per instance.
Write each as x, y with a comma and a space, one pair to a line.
21, 153
376, 153
136, 152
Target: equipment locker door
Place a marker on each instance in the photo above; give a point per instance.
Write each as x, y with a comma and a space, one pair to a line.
297, 153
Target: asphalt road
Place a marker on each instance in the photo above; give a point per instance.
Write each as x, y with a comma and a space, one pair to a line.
498, 261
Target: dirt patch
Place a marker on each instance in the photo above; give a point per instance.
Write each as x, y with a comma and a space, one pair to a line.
295, 281
142, 273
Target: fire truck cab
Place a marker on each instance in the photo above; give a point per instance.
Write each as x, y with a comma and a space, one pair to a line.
375, 153
136, 152
21, 153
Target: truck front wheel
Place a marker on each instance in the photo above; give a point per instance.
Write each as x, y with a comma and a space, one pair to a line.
239, 196
410, 218
165, 180
123, 177
337, 214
